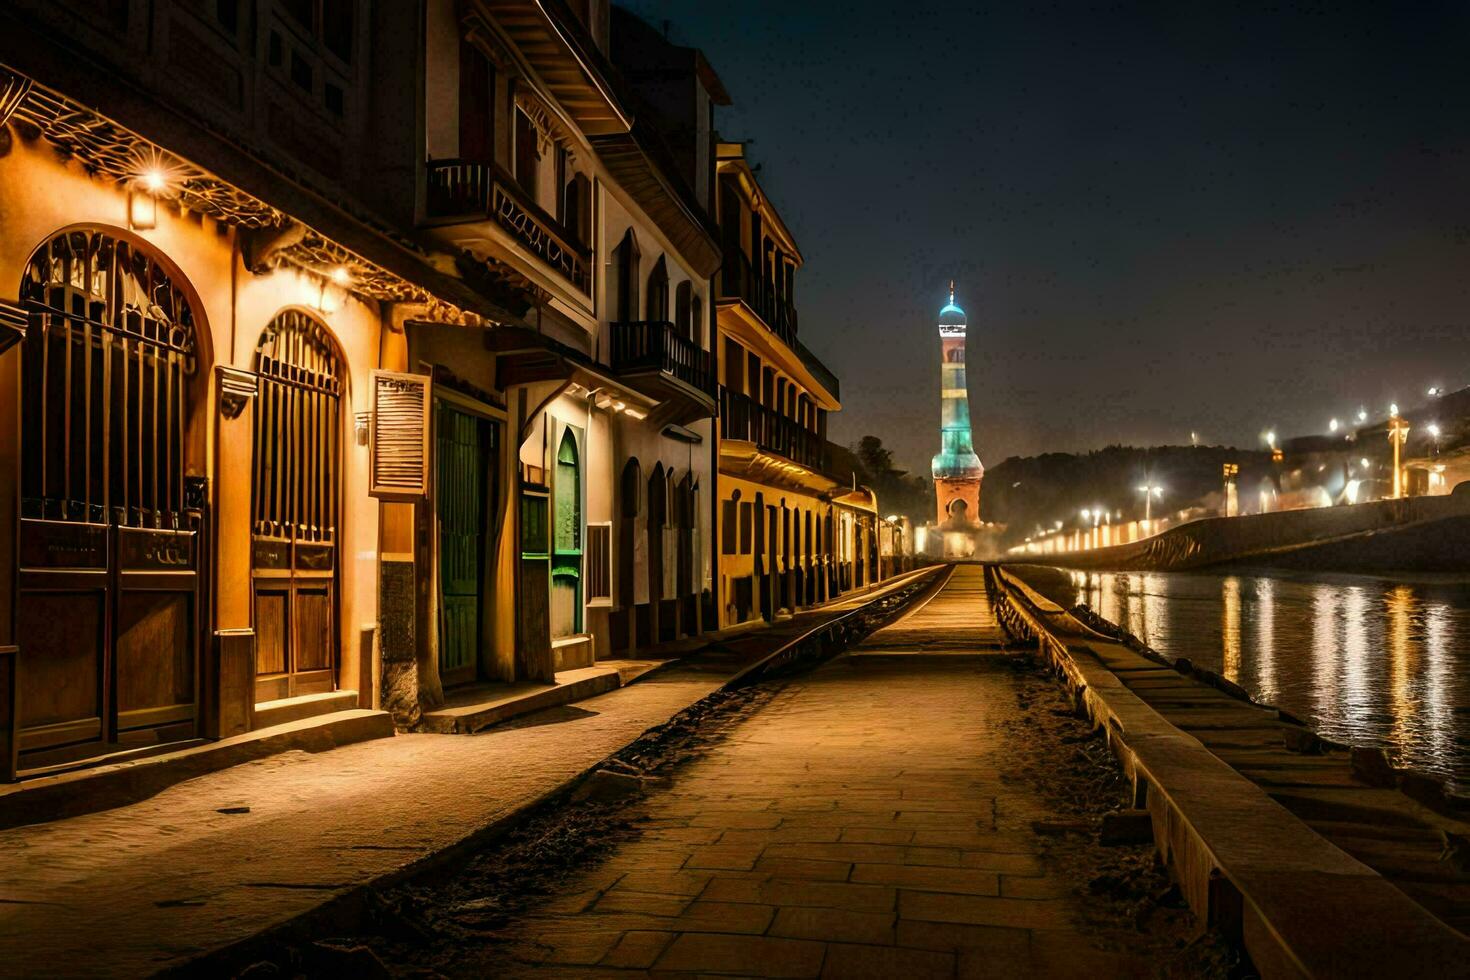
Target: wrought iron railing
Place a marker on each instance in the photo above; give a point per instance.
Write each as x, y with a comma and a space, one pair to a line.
820, 371
462, 187
742, 417
657, 345
741, 281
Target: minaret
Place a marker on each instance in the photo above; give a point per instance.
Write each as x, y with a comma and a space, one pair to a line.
957, 470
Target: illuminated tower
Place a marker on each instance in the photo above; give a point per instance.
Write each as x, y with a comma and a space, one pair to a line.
957, 470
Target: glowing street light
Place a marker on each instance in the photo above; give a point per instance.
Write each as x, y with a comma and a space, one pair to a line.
1434, 391
1149, 491
1332, 426
1362, 415
1398, 433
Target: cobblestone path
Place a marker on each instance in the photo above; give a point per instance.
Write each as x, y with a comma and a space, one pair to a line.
865, 822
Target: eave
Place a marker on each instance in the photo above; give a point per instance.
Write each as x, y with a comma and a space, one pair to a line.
573, 72
630, 161
737, 320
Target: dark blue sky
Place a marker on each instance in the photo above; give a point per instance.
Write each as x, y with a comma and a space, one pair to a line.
1163, 217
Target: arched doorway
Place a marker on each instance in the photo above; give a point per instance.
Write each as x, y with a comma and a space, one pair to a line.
625, 593
566, 545
658, 516
294, 514
111, 520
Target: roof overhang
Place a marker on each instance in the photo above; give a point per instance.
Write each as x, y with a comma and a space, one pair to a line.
545, 34
635, 161
739, 321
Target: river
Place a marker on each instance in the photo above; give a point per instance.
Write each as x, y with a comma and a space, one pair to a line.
1365, 661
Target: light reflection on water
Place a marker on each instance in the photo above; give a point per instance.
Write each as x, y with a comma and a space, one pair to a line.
1365, 661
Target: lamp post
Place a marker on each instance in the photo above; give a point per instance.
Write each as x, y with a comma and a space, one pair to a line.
1149, 491
1398, 433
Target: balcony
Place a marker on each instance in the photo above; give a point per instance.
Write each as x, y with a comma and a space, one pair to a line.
741, 282
820, 371
661, 362
744, 418
462, 189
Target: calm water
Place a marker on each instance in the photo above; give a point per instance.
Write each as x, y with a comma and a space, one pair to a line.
1367, 661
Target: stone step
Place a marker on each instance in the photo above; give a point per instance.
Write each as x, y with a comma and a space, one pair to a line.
271, 713
485, 705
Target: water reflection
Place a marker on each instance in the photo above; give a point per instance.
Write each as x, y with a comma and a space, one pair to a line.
1367, 661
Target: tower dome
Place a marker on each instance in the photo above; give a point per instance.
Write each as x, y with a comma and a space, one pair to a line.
951, 314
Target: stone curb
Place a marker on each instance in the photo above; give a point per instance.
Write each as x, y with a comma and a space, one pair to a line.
1301, 906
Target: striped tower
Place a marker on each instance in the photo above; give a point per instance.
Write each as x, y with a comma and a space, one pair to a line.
957, 470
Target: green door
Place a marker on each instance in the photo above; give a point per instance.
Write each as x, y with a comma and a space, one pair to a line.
465, 454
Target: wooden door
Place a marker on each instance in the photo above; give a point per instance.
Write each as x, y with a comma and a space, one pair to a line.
109, 537
294, 501
464, 451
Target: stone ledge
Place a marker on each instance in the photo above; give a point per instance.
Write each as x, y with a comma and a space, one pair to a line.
1243, 861
119, 784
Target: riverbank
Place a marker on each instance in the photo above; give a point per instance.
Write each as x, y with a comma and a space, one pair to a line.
1242, 794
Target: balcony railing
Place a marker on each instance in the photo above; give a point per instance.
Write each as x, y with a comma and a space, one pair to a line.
657, 345
460, 187
740, 281
742, 417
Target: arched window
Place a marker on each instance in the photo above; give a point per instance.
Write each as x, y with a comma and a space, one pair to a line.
658, 291
632, 487
577, 208
696, 321
109, 358
683, 309
626, 260
294, 490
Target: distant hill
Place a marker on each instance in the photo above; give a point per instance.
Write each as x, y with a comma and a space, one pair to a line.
1028, 493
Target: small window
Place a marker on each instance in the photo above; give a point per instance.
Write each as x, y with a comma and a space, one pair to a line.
300, 71
337, 27
332, 96
729, 515
747, 528
527, 156
658, 291
274, 53
599, 562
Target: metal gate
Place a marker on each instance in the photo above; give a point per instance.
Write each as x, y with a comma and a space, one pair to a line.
294, 521
465, 454
109, 549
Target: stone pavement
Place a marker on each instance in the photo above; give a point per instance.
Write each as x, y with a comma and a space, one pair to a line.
225, 856
857, 825
130, 891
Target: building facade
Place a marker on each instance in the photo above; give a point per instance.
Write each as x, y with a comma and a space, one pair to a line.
791, 532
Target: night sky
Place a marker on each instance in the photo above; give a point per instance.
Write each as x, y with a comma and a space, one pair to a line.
1162, 217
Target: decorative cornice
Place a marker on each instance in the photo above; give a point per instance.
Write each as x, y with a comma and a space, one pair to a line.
236, 387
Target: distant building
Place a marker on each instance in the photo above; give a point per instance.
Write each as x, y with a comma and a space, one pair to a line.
956, 467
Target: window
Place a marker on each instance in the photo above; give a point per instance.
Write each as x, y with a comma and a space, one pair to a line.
337, 27
527, 158
683, 309
626, 262
729, 514
599, 562
696, 320
658, 291
577, 209
734, 366
747, 528
476, 105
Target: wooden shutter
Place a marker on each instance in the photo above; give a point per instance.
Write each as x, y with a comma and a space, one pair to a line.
599, 562
400, 444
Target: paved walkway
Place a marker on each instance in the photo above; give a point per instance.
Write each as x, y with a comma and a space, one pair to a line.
857, 825
222, 857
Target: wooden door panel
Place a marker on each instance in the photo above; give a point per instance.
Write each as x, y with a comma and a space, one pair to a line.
270, 630
61, 676
155, 662
313, 634
462, 457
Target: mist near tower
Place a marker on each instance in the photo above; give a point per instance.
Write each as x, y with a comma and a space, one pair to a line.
1164, 219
